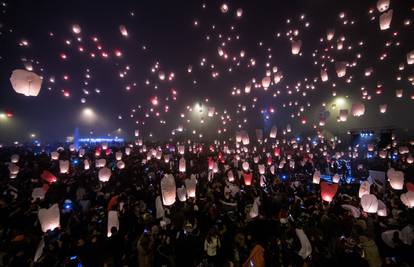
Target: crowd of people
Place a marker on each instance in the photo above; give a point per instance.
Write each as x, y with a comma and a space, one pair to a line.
277, 219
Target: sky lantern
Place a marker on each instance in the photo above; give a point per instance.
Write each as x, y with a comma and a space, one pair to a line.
316, 177
168, 190
369, 203
38, 193
247, 178
210, 111
410, 57
191, 185
383, 5
296, 46
399, 93
408, 199
239, 12
330, 34
336, 178
113, 221
324, 75
64, 166
215, 167
181, 194
100, 163
396, 179
266, 82
118, 155
127, 151
245, 139
120, 165
14, 158
358, 109
49, 218
383, 108
328, 191
123, 30
224, 8
261, 168
76, 29
276, 151
273, 132
382, 209
26, 82
230, 176
364, 189
181, 150
86, 165
254, 211
385, 20
104, 174
245, 166
181, 165
13, 170
48, 177
343, 115
340, 68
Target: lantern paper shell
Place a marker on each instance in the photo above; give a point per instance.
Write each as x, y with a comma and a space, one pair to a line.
38, 193
358, 109
396, 179
369, 203
181, 165
410, 186
336, 178
245, 166
14, 158
86, 165
49, 218
100, 163
364, 189
54, 155
48, 177
340, 69
191, 185
120, 165
26, 82
14, 170
385, 20
182, 194
127, 151
64, 166
118, 156
230, 176
328, 191
181, 150
266, 82
383, 5
168, 190
383, 108
296, 46
324, 75
316, 177
160, 212
261, 169
113, 221
254, 211
382, 209
273, 132
248, 178
104, 174
408, 199
343, 115
81, 152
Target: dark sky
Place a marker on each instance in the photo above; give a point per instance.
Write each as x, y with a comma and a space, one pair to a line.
167, 30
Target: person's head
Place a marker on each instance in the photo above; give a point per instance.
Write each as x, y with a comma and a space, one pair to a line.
114, 230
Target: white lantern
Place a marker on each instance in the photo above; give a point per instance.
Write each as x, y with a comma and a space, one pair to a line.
358, 109
316, 177
383, 5
261, 169
364, 189
254, 211
181, 165
104, 174
158, 154
71, 147
100, 163
38, 193
104, 145
340, 68
54, 155
296, 46
266, 82
230, 176
81, 152
127, 151
14, 170
26, 82
86, 165
385, 20
383, 108
382, 209
64, 166
113, 221
215, 167
396, 179
273, 132
49, 218
324, 75
123, 30
336, 178
181, 194
245, 166
120, 165
343, 115
191, 185
330, 34
168, 190
181, 150
210, 112
408, 199
369, 203
118, 155
410, 57
14, 158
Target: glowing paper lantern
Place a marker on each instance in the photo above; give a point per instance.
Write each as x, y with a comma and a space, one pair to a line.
215, 167
13, 170
191, 185
247, 178
382, 209
383, 5
48, 177
343, 115
181, 165
369, 203
100, 163
385, 20
296, 45
336, 178
127, 151
328, 191
230, 176
64, 166
245, 166
383, 108
168, 190
76, 29
245, 139
81, 152
181, 150
113, 221
210, 112
26, 82
104, 174
403, 150
358, 109
266, 82
54, 155
38, 193
364, 189
396, 179
354, 210
261, 169
399, 93
123, 30
340, 68
408, 199
324, 75
181, 194
316, 177
118, 155
410, 57
120, 165
49, 218
330, 34
273, 132
86, 165
14, 158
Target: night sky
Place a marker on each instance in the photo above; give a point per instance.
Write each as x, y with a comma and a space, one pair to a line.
159, 66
